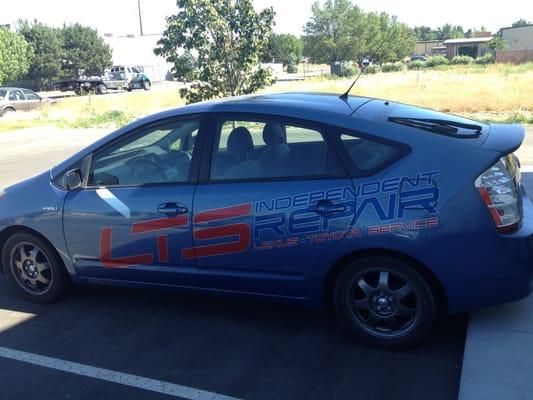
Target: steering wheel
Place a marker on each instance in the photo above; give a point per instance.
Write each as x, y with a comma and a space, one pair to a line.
147, 170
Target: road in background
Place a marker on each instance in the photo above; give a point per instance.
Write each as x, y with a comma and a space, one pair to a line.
27, 152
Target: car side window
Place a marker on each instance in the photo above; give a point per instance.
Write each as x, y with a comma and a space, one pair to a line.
15, 95
262, 148
157, 154
30, 95
367, 155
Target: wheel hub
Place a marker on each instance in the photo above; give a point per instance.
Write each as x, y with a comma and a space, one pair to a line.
30, 269
383, 303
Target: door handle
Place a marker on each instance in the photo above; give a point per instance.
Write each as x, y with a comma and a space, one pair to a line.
326, 207
171, 208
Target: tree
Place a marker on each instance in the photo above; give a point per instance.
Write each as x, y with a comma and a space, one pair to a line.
447, 31
386, 39
84, 50
15, 56
334, 32
227, 38
46, 44
284, 48
497, 43
339, 31
520, 22
424, 33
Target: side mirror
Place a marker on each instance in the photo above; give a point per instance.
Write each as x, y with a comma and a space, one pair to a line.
73, 179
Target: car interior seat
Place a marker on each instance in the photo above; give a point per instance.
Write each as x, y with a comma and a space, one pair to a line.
241, 147
275, 158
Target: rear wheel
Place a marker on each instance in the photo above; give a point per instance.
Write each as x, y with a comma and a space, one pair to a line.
33, 268
384, 302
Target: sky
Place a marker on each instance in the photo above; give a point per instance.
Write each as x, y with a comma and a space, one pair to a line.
121, 17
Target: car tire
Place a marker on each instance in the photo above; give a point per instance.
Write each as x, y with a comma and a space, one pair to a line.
33, 268
101, 89
147, 85
8, 111
384, 302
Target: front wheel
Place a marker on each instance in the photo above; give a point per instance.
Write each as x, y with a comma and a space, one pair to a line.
8, 111
147, 85
101, 89
384, 302
33, 268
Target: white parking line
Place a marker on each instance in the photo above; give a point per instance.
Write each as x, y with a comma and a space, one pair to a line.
120, 378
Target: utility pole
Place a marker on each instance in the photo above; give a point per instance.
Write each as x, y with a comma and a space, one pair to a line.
140, 16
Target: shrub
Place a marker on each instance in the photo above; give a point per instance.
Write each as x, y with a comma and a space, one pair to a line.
484, 60
393, 67
416, 65
372, 69
436, 61
464, 60
351, 70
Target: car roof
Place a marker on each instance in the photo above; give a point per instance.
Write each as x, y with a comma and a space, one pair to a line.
13, 88
306, 105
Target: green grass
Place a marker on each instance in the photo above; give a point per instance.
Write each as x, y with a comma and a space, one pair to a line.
518, 118
113, 118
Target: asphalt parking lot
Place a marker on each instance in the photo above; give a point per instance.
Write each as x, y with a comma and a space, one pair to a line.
242, 349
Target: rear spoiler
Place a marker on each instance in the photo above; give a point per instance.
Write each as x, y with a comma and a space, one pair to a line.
504, 138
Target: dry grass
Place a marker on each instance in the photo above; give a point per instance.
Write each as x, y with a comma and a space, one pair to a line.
498, 92
136, 103
458, 89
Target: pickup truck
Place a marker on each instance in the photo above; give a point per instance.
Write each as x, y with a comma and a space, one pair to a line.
119, 77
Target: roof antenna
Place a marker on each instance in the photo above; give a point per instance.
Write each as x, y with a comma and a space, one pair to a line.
344, 96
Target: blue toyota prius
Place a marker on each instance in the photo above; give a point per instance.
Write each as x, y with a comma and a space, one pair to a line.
384, 213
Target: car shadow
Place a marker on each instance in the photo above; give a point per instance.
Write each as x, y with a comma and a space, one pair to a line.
243, 348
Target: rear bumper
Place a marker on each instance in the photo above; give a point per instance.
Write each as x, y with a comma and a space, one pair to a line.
504, 272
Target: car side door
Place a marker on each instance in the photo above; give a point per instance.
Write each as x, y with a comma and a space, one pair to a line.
33, 101
17, 100
133, 214
273, 198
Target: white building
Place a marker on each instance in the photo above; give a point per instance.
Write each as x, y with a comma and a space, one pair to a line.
139, 51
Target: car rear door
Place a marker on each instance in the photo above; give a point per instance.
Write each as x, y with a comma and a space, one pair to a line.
273, 198
17, 100
133, 216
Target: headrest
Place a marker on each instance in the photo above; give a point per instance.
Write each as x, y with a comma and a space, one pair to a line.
273, 134
240, 143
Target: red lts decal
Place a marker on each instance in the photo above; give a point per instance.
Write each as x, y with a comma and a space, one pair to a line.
239, 230
159, 224
107, 259
140, 227
162, 248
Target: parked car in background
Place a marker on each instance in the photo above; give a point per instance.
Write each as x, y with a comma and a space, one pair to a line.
418, 58
386, 214
18, 99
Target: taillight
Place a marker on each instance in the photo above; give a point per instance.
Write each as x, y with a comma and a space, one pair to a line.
499, 189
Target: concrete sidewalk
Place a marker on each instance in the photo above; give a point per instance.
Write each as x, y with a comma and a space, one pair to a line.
498, 358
